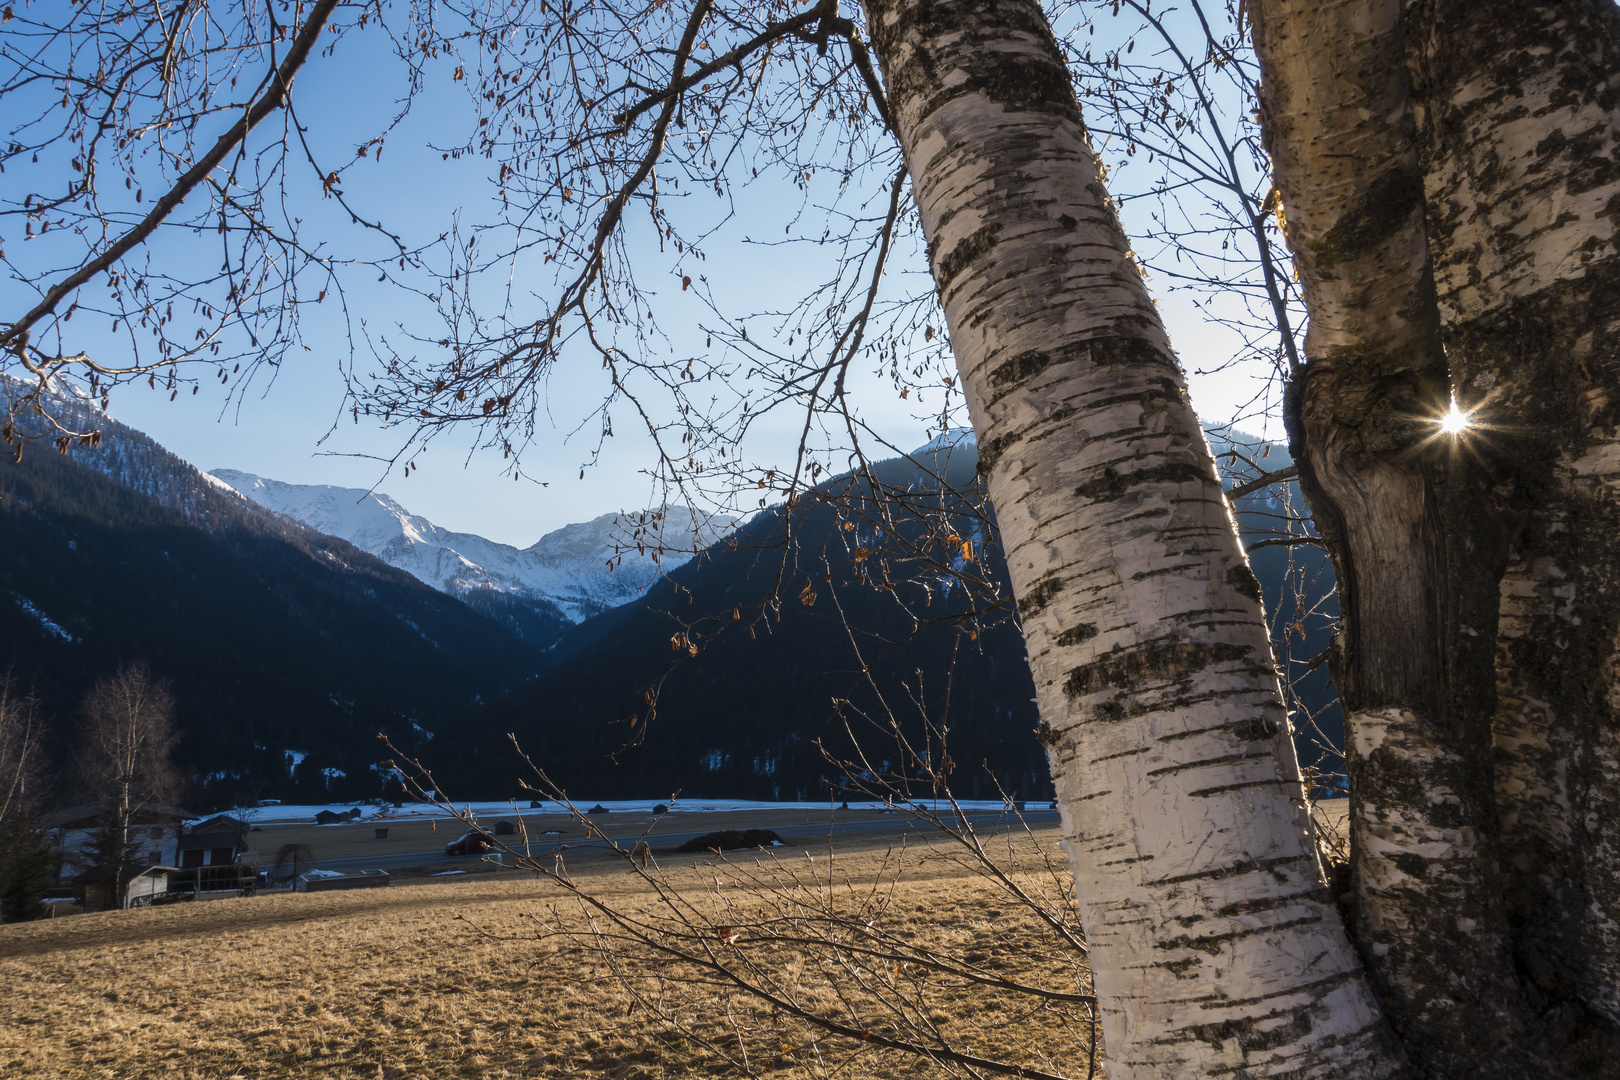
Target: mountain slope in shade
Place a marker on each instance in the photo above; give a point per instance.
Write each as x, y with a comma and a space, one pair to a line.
288, 650
564, 575
751, 714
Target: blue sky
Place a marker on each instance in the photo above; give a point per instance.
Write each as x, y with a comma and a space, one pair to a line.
292, 429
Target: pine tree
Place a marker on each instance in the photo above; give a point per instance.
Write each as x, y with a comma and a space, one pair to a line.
25, 867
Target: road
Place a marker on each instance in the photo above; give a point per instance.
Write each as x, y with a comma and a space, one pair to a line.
663, 841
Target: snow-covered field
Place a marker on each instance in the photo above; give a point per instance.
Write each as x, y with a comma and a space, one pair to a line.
304, 813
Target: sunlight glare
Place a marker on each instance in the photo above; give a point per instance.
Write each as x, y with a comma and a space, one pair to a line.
1455, 422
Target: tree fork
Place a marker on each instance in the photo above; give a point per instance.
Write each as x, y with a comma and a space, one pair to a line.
1213, 944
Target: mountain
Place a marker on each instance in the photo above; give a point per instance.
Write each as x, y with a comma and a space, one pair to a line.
562, 579
676, 692
750, 703
288, 650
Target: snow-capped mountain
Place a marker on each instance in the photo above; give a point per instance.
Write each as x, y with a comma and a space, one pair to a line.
577, 570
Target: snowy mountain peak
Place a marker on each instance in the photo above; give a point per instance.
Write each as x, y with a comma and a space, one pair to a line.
949, 439
575, 571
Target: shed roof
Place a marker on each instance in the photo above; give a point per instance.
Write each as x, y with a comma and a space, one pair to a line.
220, 823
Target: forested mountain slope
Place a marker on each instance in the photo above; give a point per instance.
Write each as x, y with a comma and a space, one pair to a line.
744, 716
288, 650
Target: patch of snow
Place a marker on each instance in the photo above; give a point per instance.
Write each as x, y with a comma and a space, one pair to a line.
449, 873
52, 627
295, 758
553, 815
217, 483
332, 774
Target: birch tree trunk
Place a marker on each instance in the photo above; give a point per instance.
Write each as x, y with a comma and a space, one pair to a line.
1212, 942
1518, 111
1416, 544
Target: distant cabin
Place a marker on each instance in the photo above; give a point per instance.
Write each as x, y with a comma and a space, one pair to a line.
219, 841
335, 817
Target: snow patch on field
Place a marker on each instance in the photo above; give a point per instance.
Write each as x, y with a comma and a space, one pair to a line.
494, 810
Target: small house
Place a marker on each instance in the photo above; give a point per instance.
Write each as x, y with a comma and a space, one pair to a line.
157, 830
219, 841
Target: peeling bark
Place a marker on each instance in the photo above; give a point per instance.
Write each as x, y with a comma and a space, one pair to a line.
1417, 545
1213, 944
1518, 120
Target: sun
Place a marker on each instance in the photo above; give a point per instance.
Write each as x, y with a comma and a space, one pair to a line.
1454, 422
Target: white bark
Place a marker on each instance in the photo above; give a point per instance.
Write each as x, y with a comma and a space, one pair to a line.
1213, 947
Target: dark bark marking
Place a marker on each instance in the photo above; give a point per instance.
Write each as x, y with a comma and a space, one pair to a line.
1113, 351
1248, 1035
1024, 366
967, 252
1243, 580
1246, 866
1164, 660
1018, 82
1212, 943
1379, 213
1225, 759
1163, 571
1040, 594
1074, 635
1112, 484
1181, 969
1224, 788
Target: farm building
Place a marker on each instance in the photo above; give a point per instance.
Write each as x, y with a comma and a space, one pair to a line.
219, 841
157, 831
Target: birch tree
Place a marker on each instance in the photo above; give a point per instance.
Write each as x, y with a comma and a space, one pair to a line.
1516, 125
123, 759
1172, 754
1450, 229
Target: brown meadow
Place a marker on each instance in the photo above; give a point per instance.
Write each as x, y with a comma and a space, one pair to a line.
508, 974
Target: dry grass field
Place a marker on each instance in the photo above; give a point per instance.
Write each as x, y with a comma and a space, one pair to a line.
508, 975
